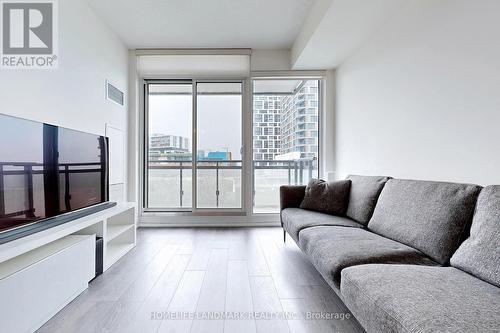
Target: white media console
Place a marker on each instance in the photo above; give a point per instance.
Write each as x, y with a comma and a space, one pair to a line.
43, 272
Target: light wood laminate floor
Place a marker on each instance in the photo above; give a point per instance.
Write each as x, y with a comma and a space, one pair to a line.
188, 279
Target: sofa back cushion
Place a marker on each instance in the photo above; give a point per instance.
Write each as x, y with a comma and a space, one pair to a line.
327, 197
365, 191
479, 255
428, 216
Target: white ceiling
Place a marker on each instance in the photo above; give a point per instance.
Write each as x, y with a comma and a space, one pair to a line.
257, 24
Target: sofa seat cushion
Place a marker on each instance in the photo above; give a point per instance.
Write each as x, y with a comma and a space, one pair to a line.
363, 197
430, 216
403, 298
296, 219
332, 249
480, 253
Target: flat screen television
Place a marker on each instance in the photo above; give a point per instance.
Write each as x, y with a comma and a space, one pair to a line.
46, 172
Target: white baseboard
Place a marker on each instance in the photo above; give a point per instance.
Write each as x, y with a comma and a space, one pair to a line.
208, 225
169, 220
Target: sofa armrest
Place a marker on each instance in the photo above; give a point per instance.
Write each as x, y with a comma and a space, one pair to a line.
291, 196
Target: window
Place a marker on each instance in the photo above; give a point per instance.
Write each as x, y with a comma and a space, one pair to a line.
169, 165
173, 181
289, 154
186, 173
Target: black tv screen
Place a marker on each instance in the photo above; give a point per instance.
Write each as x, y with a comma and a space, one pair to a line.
46, 171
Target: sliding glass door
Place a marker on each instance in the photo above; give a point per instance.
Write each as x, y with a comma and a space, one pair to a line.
219, 136
169, 145
193, 131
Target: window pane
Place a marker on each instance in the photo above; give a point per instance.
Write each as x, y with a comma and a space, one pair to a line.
286, 148
169, 143
219, 107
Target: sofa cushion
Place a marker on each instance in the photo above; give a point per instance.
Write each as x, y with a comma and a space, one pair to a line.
363, 197
403, 298
296, 219
332, 249
480, 253
429, 216
327, 197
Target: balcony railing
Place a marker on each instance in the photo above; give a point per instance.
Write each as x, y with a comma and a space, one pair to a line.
219, 182
26, 179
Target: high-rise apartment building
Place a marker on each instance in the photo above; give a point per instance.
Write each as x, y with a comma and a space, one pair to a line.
266, 129
299, 121
286, 126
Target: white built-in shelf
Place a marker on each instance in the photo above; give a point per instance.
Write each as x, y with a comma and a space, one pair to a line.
116, 230
120, 236
53, 266
122, 213
115, 252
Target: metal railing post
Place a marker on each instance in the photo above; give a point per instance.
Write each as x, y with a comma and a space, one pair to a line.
296, 176
311, 163
181, 191
216, 184
289, 173
301, 172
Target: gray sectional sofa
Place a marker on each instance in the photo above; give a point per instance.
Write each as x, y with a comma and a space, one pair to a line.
408, 256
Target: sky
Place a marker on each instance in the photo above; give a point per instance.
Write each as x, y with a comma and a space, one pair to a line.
219, 120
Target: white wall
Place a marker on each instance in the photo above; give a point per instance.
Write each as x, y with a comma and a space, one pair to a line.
72, 96
421, 99
270, 60
327, 130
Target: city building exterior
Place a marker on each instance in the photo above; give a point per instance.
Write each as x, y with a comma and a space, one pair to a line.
169, 147
286, 126
299, 121
218, 156
266, 129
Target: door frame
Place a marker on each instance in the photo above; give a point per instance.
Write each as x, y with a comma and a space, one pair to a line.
162, 218
144, 147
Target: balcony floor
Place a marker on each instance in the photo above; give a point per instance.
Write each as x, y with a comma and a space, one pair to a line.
205, 272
